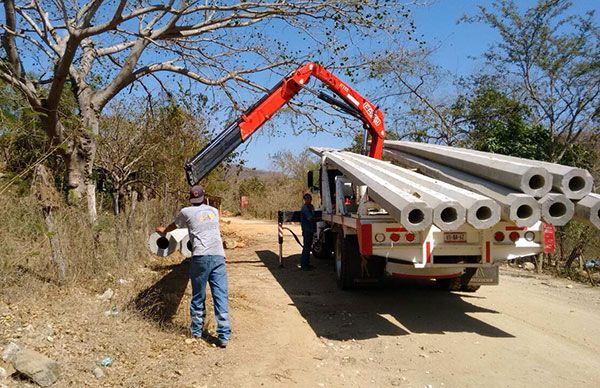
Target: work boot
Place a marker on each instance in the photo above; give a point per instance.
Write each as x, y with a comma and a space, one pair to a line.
221, 343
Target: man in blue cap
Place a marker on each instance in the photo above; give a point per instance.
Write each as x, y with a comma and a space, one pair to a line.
308, 224
207, 263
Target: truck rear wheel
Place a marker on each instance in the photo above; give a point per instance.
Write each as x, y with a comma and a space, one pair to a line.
445, 284
468, 288
460, 283
347, 260
466, 278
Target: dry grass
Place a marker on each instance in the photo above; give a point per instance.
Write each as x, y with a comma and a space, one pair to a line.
280, 194
94, 254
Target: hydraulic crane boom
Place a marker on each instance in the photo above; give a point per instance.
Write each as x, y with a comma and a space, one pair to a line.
237, 132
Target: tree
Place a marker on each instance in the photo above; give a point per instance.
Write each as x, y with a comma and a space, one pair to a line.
142, 148
494, 122
552, 60
99, 48
294, 166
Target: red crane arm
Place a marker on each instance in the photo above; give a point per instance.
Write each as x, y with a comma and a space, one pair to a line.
237, 132
291, 85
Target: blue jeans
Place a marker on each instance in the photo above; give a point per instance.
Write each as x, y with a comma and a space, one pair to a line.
211, 269
307, 240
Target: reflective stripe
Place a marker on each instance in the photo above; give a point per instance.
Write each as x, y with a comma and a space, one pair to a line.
365, 239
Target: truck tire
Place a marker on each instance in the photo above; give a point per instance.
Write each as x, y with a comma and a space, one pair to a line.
460, 283
324, 246
468, 288
466, 278
347, 260
452, 284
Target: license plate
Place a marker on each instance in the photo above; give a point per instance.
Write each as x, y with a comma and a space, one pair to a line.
455, 237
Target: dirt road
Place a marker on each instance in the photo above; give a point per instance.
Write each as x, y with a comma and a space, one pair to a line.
296, 328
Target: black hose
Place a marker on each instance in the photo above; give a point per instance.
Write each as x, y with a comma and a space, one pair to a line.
295, 237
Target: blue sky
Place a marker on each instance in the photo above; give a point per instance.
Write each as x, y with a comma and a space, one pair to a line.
459, 51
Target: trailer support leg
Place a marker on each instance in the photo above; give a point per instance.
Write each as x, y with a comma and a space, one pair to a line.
280, 236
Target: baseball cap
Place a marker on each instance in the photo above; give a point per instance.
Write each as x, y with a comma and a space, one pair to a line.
196, 194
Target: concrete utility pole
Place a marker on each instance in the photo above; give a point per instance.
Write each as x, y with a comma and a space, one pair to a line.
573, 182
532, 180
589, 209
557, 209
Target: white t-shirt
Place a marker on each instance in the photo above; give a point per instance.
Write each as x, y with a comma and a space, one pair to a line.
202, 222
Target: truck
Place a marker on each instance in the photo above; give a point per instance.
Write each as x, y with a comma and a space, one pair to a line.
366, 243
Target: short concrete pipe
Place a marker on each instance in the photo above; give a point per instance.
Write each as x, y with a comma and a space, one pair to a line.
573, 182
448, 214
532, 180
160, 245
522, 209
588, 209
185, 246
557, 209
166, 245
411, 212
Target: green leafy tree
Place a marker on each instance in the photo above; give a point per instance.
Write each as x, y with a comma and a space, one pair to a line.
497, 123
550, 57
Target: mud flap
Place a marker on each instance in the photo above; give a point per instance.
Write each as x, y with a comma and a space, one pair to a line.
483, 276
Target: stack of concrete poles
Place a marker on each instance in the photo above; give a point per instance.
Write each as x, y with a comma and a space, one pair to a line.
451, 205
169, 243
413, 213
512, 182
522, 209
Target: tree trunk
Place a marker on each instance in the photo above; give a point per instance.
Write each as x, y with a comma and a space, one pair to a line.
130, 222
80, 164
56, 248
575, 253
116, 197
49, 199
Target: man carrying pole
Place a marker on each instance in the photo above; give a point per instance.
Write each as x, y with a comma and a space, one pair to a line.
206, 265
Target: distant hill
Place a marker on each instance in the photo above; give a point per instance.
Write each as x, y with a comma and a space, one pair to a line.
243, 172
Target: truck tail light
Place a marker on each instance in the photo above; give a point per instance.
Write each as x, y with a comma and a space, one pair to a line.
499, 236
514, 236
410, 237
529, 236
395, 237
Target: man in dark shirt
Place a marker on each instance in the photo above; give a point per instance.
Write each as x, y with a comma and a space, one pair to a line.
307, 220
